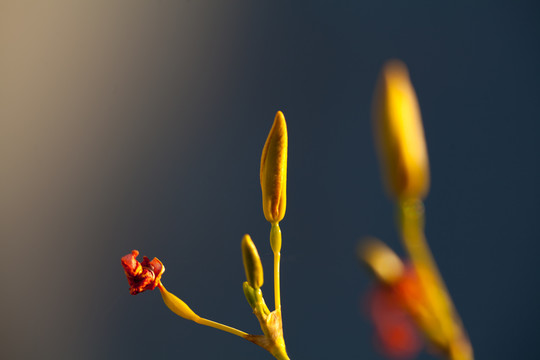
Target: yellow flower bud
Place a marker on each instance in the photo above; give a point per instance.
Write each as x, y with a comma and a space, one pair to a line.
384, 263
274, 171
252, 263
177, 306
399, 134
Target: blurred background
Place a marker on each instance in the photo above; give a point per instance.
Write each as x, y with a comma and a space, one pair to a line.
139, 125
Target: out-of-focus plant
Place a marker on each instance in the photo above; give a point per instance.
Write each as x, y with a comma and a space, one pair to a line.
147, 275
414, 289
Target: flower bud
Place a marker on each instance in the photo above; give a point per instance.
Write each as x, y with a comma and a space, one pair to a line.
250, 294
252, 263
383, 262
399, 134
274, 171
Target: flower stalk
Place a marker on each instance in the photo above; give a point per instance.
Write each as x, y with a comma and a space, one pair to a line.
273, 177
404, 163
275, 242
448, 325
274, 190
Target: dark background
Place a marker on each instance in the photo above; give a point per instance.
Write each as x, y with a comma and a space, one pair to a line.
139, 125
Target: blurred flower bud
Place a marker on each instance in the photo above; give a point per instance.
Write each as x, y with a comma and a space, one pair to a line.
252, 263
274, 171
399, 134
382, 261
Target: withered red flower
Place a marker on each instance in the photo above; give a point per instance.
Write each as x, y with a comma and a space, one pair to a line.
142, 276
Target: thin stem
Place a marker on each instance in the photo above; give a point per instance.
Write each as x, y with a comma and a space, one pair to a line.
275, 243
277, 294
221, 327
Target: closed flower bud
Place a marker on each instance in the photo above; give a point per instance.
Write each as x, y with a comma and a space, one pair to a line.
399, 134
252, 263
274, 171
381, 260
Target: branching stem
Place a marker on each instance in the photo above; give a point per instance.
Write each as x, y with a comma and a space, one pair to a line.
411, 223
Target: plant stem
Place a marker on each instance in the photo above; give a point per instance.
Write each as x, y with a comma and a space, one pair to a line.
275, 243
221, 327
412, 227
277, 294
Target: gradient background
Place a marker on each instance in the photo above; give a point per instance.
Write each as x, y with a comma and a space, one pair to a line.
139, 125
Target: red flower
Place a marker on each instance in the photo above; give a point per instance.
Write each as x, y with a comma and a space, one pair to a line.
142, 276
390, 309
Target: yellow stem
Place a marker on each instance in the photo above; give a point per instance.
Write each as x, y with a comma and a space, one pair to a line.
281, 355
221, 327
412, 227
277, 293
275, 243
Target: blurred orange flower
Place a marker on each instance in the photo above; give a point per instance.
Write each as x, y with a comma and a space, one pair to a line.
142, 276
392, 310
